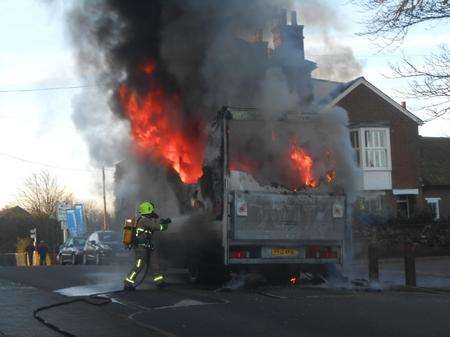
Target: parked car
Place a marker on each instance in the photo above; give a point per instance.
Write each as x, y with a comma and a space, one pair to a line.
104, 247
71, 251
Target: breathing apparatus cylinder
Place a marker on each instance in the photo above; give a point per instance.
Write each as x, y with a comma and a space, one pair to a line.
129, 232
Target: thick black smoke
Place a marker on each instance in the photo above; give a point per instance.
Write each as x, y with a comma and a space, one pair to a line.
205, 53
197, 45
201, 52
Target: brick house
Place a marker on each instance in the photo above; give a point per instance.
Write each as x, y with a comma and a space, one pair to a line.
403, 174
434, 163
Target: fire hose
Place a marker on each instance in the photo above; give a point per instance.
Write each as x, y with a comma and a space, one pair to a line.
95, 299
130, 240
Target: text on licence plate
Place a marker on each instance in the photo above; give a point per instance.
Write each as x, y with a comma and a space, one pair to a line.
284, 252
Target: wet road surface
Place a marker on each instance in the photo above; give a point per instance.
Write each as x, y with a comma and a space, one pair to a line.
186, 310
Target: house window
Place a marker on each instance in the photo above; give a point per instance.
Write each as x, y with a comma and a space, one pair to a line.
354, 139
373, 204
375, 152
372, 147
406, 205
433, 205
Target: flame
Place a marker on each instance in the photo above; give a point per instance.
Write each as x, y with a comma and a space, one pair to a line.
159, 131
330, 176
293, 280
303, 165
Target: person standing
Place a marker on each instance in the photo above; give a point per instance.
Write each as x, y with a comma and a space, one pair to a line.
146, 225
30, 252
42, 250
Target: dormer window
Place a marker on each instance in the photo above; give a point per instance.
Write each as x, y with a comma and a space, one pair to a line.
375, 148
372, 148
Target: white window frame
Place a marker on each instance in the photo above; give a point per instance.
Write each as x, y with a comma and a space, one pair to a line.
356, 149
362, 148
435, 201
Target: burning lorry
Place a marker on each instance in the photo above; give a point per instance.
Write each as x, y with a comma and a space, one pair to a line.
269, 195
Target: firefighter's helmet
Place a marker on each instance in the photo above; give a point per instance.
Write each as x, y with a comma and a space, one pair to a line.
146, 208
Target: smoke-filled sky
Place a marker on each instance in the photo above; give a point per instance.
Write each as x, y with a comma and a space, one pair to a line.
37, 128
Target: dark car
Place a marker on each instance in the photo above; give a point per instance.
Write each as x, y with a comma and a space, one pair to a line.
104, 247
71, 251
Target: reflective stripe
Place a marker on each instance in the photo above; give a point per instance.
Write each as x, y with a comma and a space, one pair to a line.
131, 277
129, 280
158, 278
139, 262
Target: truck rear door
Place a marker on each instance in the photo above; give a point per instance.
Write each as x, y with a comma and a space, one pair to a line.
265, 227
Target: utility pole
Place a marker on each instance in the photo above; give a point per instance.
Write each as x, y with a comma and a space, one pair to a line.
105, 226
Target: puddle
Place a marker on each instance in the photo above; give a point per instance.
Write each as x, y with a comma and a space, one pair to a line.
88, 289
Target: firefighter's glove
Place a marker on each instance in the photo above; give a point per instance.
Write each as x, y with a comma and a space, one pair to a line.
164, 224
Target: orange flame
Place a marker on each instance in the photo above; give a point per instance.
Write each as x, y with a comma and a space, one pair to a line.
303, 165
330, 176
158, 130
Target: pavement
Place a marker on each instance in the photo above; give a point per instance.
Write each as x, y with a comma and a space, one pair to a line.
184, 310
432, 272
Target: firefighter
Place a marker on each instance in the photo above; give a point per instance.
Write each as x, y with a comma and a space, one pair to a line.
147, 223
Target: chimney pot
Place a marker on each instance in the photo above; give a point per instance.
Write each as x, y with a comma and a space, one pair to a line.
294, 18
403, 103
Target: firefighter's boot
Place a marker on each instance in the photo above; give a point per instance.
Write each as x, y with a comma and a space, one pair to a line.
130, 280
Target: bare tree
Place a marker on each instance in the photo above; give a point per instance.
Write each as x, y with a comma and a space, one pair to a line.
41, 194
391, 20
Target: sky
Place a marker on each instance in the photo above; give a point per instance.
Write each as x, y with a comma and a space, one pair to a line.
36, 128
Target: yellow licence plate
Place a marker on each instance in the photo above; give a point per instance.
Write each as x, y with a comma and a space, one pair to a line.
284, 252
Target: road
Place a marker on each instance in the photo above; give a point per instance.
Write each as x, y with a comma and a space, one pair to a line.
190, 311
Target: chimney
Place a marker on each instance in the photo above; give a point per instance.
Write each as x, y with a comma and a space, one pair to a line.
403, 104
294, 18
283, 17
288, 37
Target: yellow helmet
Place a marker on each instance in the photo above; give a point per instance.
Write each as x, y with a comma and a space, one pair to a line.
146, 208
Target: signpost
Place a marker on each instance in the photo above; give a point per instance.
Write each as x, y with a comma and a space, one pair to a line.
62, 218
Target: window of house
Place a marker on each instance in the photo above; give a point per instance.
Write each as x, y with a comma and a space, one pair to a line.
354, 139
372, 147
433, 205
375, 149
373, 204
406, 205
